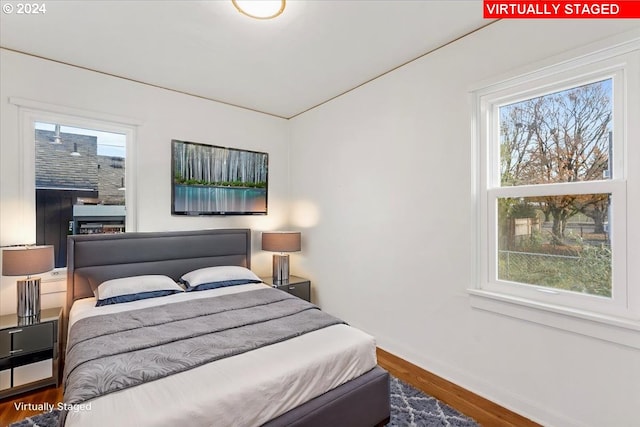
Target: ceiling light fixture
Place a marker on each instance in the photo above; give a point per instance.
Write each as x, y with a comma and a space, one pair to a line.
75, 151
260, 9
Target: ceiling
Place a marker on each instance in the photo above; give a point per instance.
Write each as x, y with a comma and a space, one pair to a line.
315, 51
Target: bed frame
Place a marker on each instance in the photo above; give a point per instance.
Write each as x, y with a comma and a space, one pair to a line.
92, 259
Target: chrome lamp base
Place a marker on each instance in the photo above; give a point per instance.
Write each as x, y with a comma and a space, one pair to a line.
29, 297
280, 269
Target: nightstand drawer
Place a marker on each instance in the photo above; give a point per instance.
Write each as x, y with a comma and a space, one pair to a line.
297, 286
301, 290
26, 339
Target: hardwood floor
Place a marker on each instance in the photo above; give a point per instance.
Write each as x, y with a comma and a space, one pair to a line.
9, 414
480, 409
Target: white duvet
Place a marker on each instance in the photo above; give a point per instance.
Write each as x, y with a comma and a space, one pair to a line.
244, 390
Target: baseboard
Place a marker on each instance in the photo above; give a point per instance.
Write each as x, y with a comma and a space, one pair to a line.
477, 407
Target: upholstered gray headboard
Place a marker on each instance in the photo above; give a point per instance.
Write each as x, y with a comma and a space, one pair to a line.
99, 257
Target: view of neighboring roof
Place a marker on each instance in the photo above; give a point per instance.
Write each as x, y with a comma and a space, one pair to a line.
57, 168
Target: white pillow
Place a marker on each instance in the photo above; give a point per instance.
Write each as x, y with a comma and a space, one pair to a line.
217, 277
135, 288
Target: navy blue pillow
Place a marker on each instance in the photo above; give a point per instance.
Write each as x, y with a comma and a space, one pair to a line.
134, 297
221, 284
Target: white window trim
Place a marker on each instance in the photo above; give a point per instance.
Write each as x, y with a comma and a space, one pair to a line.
617, 320
30, 112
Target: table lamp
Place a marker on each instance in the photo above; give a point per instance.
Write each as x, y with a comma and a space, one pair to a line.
281, 241
25, 261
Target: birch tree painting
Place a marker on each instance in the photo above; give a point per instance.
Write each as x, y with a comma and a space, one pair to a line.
196, 164
212, 180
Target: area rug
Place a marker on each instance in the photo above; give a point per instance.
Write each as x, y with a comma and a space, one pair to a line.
47, 419
412, 407
409, 407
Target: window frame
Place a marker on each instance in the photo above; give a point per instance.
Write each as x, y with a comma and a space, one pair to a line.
30, 112
543, 304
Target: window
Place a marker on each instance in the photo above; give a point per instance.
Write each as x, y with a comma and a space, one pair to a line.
76, 176
554, 152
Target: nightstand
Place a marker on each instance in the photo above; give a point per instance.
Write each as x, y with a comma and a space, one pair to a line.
295, 286
29, 353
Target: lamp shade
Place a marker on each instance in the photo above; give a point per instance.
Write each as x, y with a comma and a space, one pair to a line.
26, 261
281, 241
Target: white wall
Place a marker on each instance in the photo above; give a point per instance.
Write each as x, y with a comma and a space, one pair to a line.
387, 171
163, 115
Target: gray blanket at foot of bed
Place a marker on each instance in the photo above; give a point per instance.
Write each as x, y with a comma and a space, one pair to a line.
116, 351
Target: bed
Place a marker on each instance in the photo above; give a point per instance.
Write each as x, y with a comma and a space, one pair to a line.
326, 375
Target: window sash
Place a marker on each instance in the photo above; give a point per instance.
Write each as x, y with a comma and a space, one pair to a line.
491, 103
615, 305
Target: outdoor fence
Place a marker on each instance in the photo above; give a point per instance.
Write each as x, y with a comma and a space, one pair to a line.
516, 264
575, 273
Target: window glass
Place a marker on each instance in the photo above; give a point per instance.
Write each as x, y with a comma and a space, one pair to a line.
80, 184
559, 137
568, 248
556, 239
